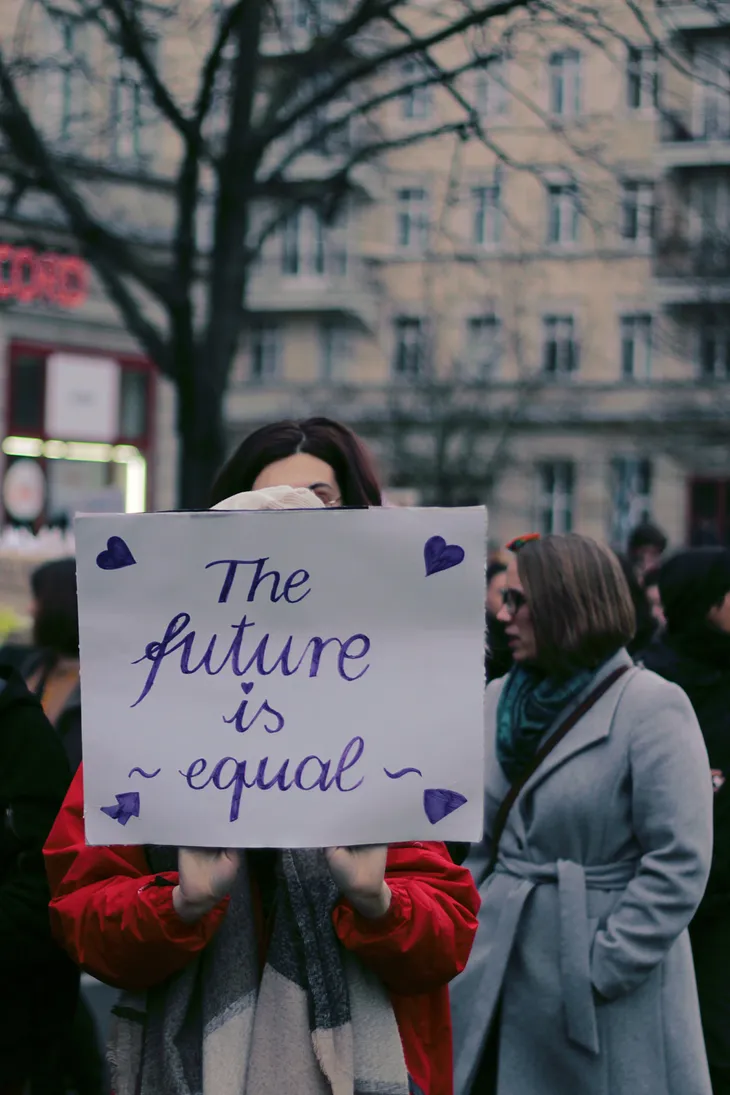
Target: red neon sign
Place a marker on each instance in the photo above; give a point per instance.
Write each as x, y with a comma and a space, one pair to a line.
27, 276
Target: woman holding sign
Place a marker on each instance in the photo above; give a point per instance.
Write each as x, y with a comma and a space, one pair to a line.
266, 972
598, 836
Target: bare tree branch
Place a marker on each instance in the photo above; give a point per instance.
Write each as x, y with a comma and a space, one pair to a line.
368, 66
36, 159
134, 42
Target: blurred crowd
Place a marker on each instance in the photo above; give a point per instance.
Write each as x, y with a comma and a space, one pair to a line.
566, 619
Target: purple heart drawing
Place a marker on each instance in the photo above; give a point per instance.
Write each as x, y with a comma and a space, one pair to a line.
439, 802
439, 555
116, 556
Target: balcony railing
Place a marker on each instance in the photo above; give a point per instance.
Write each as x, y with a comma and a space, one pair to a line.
694, 139
710, 124
678, 257
689, 15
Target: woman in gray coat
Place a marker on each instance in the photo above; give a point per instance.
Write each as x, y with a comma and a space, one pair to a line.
581, 977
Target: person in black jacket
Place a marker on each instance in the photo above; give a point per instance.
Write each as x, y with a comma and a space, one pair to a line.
52, 670
646, 626
694, 652
498, 659
39, 983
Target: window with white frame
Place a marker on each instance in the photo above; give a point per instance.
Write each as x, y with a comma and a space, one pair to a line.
486, 222
412, 219
714, 351
265, 339
65, 82
565, 83
335, 350
482, 345
409, 346
637, 211
416, 102
712, 89
631, 497
555, 497
309, 247
636, 346
642, 78
490, 95
560, 356
131, 112
563, 214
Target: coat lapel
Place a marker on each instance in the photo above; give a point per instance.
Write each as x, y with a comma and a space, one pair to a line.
594, 727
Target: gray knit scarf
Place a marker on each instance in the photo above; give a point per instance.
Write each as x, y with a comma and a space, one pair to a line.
316, 1022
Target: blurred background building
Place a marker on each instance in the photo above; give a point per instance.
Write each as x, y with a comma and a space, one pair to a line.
538, 320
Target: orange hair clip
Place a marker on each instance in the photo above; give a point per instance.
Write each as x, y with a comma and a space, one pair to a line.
520, 541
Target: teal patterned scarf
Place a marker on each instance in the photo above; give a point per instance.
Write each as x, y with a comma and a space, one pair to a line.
530, 703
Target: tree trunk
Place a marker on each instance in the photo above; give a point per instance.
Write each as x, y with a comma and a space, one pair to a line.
201, 428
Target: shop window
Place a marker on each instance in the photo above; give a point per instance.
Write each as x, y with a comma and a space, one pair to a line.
134, 402
27, 385
709, 510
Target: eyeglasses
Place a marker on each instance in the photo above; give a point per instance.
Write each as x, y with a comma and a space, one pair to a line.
513, 600
326, 494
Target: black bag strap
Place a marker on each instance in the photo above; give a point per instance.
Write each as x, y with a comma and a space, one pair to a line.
545, 749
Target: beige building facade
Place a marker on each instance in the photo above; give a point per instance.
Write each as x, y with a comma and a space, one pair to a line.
532, 318
532, 313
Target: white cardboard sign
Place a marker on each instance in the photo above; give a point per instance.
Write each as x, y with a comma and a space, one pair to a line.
282, 679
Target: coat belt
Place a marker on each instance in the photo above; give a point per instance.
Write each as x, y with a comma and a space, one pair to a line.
572, 881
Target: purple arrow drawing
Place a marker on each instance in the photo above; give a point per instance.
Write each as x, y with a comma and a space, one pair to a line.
127, 806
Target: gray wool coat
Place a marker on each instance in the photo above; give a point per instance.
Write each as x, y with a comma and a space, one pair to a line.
582, 930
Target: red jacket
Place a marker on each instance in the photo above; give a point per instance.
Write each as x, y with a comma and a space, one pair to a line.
126, 932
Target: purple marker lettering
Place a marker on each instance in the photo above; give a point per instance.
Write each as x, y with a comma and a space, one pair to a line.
296, 579
279, 779
346, 762
192, 774
265, 708
237, 718
239, 782
157, 652
233, 565
321, 779
290, 584
218, 773
344, 654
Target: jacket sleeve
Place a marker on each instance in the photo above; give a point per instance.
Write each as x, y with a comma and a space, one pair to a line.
424, 939
35, 777
115, 919
671, 793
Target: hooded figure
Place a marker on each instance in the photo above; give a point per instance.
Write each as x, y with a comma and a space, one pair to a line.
694, 652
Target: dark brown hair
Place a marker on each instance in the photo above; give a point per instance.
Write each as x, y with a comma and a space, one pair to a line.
324, 438
579, 600
56, 624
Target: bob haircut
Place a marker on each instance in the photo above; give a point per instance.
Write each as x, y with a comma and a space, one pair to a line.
579, 600
56, 626
330, 441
